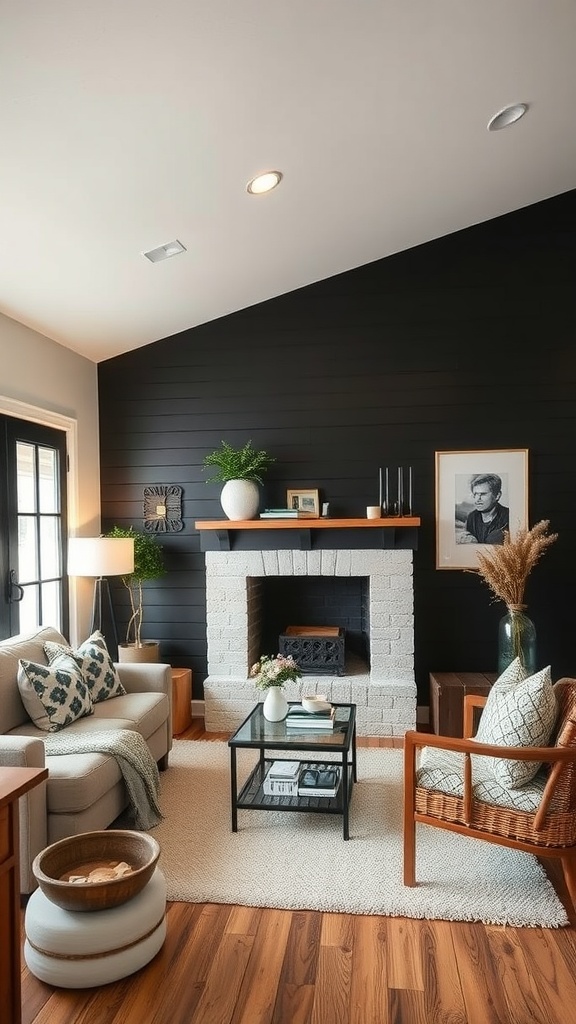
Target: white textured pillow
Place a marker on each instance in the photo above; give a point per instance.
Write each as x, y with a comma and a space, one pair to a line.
518, 714
507, 680
96, 664
54, 695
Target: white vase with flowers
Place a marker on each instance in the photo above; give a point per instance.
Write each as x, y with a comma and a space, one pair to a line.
270, 673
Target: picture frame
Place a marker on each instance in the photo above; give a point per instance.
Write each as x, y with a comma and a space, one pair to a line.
467, 523
305, 500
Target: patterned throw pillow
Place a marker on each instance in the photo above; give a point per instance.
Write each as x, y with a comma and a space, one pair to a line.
520, 714
54, 695
96, 665
512, 675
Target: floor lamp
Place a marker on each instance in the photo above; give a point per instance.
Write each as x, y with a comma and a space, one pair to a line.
101, 557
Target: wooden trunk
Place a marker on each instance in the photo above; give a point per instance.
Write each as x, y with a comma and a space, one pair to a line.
447, 692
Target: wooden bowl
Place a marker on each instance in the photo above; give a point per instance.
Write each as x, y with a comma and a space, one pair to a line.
78, 854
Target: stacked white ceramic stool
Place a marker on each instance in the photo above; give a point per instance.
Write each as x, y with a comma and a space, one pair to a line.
79, 949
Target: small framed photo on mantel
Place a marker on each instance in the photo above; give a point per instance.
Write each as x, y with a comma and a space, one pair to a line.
479, 495
304, 500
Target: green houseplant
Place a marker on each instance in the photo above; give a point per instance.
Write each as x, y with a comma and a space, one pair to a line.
148, 565
240, 470
237, 463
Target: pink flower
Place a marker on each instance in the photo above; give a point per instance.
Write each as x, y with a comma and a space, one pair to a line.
274, 671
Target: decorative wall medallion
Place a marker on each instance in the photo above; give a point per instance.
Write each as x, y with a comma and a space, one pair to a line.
163, 509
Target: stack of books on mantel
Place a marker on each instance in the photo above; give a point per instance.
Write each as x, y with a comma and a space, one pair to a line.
282, 778
286, 513
299, 718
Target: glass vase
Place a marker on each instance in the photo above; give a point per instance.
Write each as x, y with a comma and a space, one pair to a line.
516, 639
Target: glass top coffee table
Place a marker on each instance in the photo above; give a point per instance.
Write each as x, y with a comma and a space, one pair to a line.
326, 747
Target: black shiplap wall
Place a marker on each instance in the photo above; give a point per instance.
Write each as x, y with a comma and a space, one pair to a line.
464, 343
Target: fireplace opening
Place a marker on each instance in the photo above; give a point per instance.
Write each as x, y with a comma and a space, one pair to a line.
341, 601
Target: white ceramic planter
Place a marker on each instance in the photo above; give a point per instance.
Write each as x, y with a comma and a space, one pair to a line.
240, 499
275, 706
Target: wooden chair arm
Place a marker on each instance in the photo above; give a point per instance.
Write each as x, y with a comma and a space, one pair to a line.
547, 754
472, 701
547, 795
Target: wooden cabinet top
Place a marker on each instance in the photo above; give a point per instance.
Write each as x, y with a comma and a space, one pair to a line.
14, 782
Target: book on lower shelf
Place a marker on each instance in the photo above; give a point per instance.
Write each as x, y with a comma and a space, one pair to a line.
284, 770
319, 781
280, 787
282, 779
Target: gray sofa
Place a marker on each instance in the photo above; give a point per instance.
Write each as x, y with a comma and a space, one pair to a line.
83, 792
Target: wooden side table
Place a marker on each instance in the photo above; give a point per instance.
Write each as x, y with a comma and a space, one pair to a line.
447, 692
181, 700
14, 782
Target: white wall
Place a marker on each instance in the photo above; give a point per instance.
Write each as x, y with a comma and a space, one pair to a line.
44, 381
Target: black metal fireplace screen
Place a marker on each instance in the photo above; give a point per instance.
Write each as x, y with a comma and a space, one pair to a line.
317, 650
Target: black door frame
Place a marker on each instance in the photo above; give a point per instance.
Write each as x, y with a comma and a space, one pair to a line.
13, 429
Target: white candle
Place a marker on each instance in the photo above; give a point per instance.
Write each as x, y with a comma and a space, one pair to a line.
410, 490
387, 495
400, 489
380, 482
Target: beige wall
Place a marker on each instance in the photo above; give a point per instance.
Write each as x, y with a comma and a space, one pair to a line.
43, 381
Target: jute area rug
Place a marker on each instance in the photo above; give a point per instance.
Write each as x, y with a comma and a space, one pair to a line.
300, 861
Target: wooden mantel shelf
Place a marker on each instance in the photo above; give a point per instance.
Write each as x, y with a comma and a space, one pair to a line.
254, 534
305, 523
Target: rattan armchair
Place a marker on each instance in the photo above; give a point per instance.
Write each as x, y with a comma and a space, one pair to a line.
549, 832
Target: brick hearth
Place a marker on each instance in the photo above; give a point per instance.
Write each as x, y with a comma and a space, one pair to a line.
385, 693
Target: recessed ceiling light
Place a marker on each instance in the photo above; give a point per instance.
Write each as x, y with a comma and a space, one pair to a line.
264, 183
507, 116
164, 252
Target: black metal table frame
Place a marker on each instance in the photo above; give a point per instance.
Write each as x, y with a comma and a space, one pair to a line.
323, 805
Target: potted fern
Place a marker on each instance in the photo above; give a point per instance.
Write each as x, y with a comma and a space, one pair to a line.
240, 470
148, 565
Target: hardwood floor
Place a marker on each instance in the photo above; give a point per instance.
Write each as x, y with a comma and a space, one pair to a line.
238, 965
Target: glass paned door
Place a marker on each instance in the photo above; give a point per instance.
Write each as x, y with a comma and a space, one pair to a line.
35, 545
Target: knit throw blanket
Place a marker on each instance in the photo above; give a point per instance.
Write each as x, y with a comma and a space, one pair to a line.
138, 767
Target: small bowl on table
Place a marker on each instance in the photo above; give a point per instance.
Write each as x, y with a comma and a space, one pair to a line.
316, 703
78, 855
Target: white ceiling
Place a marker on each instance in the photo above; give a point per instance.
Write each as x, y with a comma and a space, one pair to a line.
129, 123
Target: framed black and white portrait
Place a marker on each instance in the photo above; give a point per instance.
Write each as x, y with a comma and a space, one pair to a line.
479, 495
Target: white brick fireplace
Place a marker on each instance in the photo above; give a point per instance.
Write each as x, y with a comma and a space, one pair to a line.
384, 692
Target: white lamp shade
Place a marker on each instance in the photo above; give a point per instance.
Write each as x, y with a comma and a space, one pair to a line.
100, 556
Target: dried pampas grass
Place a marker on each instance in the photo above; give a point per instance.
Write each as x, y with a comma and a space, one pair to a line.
506, 567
